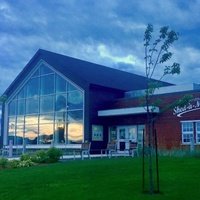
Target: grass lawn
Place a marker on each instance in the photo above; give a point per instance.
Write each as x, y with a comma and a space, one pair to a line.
115, 178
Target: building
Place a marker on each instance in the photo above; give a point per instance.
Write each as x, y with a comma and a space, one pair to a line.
64, 101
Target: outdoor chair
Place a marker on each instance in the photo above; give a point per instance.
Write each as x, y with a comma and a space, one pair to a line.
85, 149
111, 148
133, 149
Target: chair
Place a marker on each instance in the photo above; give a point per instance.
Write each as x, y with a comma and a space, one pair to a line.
133, 149
85, 149
111, 148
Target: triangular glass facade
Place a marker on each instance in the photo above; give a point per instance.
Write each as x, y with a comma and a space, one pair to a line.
47, 109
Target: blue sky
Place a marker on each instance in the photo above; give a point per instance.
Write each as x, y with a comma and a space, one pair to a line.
107, 32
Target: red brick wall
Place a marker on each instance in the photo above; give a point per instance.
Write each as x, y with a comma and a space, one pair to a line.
168, 125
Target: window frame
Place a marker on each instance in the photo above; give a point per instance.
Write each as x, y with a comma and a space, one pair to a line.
187, 132
14, 96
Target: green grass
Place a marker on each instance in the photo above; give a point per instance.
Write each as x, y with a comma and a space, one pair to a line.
116, 178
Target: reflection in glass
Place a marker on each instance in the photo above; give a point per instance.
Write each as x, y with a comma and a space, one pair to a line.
75, 100
33, 87
47, 118
59, 137
45, 70
47, 84
32, 106
11, 129
31, 119
31, 134
22, 93
60, 84
45, 133
46, 104
21, 107
19, 135
76, 115
12, 107
60, 102
75, 132
20, 120
71, 87
60, 117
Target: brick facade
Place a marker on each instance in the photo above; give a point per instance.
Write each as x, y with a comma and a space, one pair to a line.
167, 124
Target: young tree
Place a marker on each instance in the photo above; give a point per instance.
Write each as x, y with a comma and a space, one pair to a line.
157, 57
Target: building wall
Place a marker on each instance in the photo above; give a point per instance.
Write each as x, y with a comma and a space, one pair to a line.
98, 98
167, 124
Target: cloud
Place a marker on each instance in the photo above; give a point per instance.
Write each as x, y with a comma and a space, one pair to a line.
105, 53
104, 32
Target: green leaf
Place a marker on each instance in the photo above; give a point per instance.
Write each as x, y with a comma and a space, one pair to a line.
165, 57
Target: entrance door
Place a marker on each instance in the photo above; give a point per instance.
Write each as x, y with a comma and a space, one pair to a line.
125, 134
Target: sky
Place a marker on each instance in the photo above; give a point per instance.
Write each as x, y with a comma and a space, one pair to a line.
106, 32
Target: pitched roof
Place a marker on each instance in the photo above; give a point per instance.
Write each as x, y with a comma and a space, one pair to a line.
84, 73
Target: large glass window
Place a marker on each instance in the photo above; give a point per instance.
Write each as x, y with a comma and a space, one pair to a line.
75, 132
12, 107
22, 93
47, 118
60, 133
75, 115
31, 133
31, 119
61, 102
20, 120
19, 135
75, 100
21, 107
11, 128
45, 133
32, 105
47, 109
60, 84
33, 87
47, 104
45, 69
47, 84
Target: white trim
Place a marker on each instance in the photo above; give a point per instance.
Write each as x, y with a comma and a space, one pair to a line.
127, 111
166, 90
41, 146
190, 121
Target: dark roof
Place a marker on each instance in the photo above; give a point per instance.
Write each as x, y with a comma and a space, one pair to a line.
84, 73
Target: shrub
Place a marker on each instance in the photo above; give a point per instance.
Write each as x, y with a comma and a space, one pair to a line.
25, 163
24, 157
14, 163
3, 162
53, 154
40, 157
